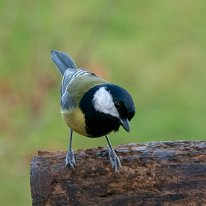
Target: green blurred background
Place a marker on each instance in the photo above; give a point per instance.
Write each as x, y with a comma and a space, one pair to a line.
155, 49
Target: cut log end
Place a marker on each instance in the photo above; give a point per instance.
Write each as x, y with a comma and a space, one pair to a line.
157, 173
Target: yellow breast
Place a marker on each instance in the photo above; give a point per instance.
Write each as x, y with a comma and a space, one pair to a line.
75, 120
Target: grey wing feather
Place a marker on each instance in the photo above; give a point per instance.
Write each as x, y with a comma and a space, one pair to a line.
63, 61
69, 75
66, 101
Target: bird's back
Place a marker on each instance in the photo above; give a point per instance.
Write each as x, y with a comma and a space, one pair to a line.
75, 86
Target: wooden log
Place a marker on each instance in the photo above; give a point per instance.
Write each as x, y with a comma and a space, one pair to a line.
156, 173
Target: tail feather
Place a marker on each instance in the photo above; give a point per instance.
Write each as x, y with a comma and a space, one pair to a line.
62, 61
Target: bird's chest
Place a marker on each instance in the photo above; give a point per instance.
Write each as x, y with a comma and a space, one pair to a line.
75, 120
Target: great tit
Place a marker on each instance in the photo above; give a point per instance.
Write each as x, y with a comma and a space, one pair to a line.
91, 106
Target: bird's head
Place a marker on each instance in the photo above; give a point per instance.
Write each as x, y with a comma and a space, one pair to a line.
111, 106
115, 101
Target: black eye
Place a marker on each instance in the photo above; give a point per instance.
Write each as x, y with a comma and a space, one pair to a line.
118, 104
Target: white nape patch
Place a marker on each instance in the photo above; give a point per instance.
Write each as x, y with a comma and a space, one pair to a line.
103, 102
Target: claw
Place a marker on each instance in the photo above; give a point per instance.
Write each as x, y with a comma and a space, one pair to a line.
114, 159
70, 159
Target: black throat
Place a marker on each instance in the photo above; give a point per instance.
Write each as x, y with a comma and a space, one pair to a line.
97, 123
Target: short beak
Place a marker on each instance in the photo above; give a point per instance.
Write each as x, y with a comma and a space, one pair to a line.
125, 124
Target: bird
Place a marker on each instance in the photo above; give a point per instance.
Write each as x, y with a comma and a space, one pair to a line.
91, 106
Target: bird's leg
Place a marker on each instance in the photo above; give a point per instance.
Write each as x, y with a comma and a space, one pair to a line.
114, 159
70, 159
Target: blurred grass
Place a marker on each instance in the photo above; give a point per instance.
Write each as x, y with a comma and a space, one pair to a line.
156, 49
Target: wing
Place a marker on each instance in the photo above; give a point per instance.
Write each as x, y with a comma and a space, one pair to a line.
68, 99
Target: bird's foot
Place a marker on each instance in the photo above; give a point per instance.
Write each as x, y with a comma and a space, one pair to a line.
70, 159
114, 159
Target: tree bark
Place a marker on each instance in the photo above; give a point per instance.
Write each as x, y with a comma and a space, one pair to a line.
156, 173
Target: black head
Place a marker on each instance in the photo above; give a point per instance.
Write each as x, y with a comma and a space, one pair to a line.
106, 108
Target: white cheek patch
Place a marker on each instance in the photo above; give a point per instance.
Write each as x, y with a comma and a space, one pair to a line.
103, 102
